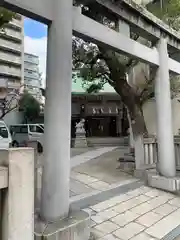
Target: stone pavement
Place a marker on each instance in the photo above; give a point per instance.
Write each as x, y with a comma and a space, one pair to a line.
142, 214
92, 169
99, 174
88, 154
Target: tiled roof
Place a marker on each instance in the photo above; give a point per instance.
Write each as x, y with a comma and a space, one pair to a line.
77, 87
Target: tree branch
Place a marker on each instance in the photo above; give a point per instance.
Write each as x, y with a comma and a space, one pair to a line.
8, 111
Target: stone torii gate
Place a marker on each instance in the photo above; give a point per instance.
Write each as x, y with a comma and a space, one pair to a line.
61, 19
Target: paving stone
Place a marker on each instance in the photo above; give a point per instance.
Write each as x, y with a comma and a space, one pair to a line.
149, 219
121, 198
110, 203
129, 231
153, 193
146, 189
101, 206
175, 202
79, 188
143, 236
86, 179
96, 234
90, 211
104, 216
86, 156
130, 204
139, 191
109, 237
142, 208
142, 198
165, 209
125, 218
168, 195
106, 227
123, 207
136, 192
156, 202
165, 225
150, 204
100, 185
92, 224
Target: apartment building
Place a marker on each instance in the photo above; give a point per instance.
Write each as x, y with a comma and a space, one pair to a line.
32, 76
12, 55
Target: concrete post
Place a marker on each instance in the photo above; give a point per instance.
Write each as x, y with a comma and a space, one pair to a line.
18, 199
166, 154
56, 171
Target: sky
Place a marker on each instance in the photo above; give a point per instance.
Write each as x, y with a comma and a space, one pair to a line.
35, 42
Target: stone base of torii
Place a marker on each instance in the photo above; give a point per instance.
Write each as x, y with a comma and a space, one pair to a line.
75, 227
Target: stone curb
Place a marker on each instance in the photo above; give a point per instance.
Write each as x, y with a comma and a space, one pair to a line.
173, 234
95, 197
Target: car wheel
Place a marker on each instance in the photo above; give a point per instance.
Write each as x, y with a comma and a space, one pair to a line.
15, 144
39, 148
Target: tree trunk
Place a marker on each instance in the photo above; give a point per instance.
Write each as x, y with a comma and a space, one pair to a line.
130, 100
118, 70
131, 138
125, 121
137, 142
127, 93
117, 66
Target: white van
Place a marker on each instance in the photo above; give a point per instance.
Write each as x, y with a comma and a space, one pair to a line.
5, 136
23, 133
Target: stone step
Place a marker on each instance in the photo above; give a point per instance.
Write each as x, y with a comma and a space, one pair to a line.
85, 200
108, 141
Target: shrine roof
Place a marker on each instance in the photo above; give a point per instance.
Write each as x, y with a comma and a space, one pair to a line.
77, 88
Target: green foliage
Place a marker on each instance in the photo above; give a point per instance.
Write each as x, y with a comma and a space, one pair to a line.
91, 61
90, 64
5, 16
29, 106
169, 12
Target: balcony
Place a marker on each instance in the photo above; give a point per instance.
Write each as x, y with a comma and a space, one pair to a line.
10, 45
12, 84
17, 23
3, 82
10, 58
30, 66
32, 82
13, 34
10, 71
31, 74
31, 59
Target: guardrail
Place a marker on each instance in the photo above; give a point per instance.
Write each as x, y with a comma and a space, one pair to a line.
151, 151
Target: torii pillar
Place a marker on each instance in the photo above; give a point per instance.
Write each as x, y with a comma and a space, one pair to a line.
55, 202
166, 178
166, 153
56, 172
